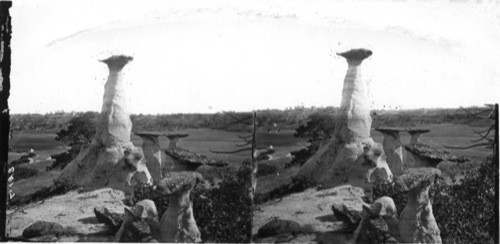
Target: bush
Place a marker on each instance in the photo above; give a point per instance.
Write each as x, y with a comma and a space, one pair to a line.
61, 160
24, 173
464, 212
223, 213
266, 169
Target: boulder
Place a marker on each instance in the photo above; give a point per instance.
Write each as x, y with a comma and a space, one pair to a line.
43, 228
139, 223
376, 230
280, 238
349, 210
278, 227
113, 220
137, 231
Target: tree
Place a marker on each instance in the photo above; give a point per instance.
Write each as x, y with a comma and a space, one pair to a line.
248, 171
320, 126
81, 130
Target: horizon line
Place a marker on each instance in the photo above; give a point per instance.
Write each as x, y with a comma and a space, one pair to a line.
264, 109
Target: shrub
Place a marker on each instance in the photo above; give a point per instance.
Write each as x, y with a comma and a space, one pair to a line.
266, 169
465, 212
24, 173
223, 213
61, 160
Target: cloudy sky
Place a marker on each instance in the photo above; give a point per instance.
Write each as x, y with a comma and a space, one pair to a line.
210, 56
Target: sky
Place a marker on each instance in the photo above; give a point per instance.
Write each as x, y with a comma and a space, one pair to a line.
211, 56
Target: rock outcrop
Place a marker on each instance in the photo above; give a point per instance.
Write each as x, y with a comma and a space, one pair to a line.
416, 222
177, 223
278, 227
111, 160
43, 228
340, 160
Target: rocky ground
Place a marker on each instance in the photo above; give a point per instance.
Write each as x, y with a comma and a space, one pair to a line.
313, 210
73, 210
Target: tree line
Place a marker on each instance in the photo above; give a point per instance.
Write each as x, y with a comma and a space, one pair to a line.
274, 119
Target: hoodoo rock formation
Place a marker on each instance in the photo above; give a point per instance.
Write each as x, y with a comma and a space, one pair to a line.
177, 223
416, 222
340, 160
152, 153
393, 148
111, 160
416, 133
174, 139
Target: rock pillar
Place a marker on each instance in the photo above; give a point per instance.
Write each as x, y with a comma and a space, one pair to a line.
174, 139
114, 124
152, 153
417, 223
340, 160
354, 120
393, 149
415, 134
111, 160
177, 223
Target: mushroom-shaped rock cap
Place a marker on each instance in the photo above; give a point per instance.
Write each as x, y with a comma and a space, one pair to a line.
390, 129
148, 133
117, 62
356, 54
428, 152
414, 178
417, 130
174, 136
178, 182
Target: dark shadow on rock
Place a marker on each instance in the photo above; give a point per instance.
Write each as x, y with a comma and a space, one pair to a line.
327, 218
89, 220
